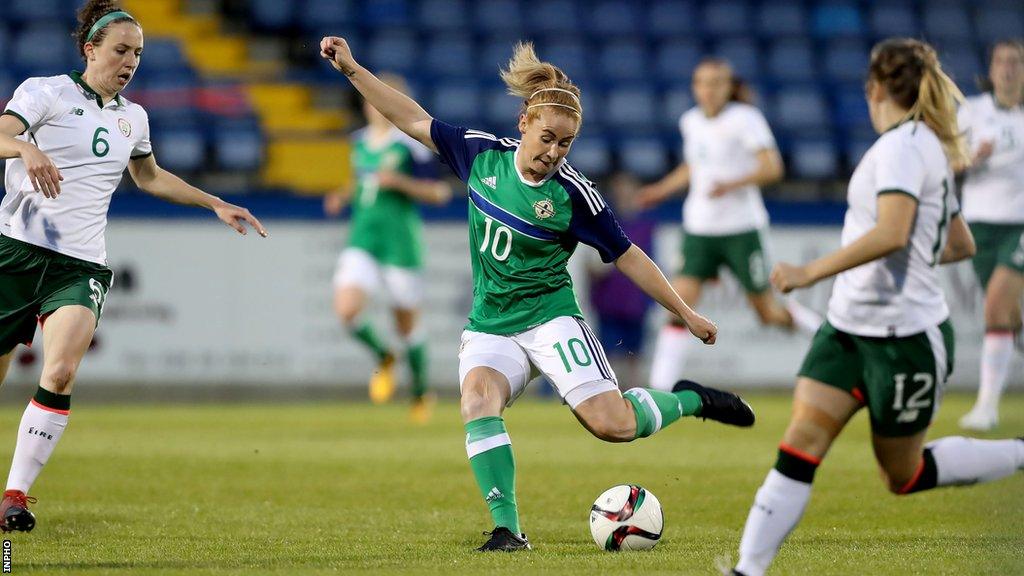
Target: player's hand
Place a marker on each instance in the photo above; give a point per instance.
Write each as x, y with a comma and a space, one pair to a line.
649, 196
336, 50
721, 189
234, 216
787, 277
702, 328
42, 172
983, 153
388, 179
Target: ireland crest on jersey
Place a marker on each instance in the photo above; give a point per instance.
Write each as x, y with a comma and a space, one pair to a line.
543, 209
124, 126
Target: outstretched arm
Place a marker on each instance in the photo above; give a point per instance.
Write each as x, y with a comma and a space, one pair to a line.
770, 170
401, 110
636, 265
428, 190
154, 180
657, 192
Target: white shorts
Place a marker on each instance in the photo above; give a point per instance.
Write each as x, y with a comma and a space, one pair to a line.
564, 349
357, 268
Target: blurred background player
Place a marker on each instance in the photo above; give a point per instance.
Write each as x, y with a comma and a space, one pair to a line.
529, 209
68, 140
620, 305
393, 173
888, 342
993, 197
729, 153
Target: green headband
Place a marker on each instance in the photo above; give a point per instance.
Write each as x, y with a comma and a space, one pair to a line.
106, 19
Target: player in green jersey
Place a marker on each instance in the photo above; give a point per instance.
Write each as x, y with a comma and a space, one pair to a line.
68, 140
528, 210
393, 173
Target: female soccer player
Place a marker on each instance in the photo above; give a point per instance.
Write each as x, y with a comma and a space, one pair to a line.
729, 153
393, 172
994, 207
528, 210
887, 343
68, 139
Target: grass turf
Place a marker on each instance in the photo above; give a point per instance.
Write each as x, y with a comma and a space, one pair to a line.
339, 488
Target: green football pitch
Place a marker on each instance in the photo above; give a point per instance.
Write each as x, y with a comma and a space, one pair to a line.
326, 488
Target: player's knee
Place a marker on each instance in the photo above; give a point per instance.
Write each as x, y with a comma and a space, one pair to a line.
612, 428
807, 437
59, 377
894, 481
478, 400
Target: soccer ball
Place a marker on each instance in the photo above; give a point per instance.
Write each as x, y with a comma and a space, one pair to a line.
626, 517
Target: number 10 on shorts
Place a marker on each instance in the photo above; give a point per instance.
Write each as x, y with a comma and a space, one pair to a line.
577, 350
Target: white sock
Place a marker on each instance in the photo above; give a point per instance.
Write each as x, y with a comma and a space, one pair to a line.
670, 353
40, 429
996, 355
960, 460
804, 319
778, 506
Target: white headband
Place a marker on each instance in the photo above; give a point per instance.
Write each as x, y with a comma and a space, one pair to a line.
574, 97
555, 104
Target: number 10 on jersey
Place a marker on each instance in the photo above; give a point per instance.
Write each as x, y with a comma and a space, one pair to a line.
500, 243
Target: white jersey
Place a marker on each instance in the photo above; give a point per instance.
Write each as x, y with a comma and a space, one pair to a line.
994, 191
90, 144
899, 294
720, 149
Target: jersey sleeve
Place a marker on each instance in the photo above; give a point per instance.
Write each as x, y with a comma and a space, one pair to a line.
899, 168
32, 103
593, 222
142, 147
458, 146
756, 134
424, 164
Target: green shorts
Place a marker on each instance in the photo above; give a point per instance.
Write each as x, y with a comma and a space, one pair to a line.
35, 282
998, 245
741, 253
899, 379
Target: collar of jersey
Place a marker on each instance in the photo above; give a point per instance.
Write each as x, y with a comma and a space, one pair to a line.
904, 120
77, 77
1000, 107
515, 168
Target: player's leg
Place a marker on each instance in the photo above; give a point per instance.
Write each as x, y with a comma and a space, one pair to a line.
5, 364
674, 342
357, 277
493, 371
405, 289
67, 333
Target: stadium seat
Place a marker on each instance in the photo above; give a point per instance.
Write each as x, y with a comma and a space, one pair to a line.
500, 107
449, 55
1000, 24
644, 157
238, 148
494, 54
671, 18
963, 64
385, 13
28, 56
792, 60
800, 109
846, 60
448, 15
675, 60
855, 147
744, 56
180, 150
675, 102
947, 23
631, 108
497, 16
726, 17
591, 155
782, 19
624, 61
572, 55
323, 15
813, 158
836, 19
889, 20
272, 14
554, 17
393, 50
615, 18
165, 55
850, 107
22, 12
457, 103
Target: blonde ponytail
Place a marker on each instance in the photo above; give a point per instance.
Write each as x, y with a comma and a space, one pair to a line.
540, 84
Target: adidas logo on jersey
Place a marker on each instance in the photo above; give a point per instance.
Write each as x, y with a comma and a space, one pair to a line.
491, 181
494, 494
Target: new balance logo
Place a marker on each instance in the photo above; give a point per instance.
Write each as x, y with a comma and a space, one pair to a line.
491, 181
494, 494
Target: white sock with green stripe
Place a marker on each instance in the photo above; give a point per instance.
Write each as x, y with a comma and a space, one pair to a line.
490, 456
655, 409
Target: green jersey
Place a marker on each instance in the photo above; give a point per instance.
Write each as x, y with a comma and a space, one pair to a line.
521, 234
386, 222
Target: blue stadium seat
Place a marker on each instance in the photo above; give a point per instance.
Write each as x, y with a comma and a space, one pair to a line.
166, 55
744, 56
555, 17
855, 147
671, 18
726, 17
615, 18
846, 60
963, 64
444, 15
782, 19
393, 50
591, 155
386, 13
644, 157
800, 109
572, 55
494, 54
31, 60
323, 15
1000, 24
449, 55
850, 107
37, 12
675, 102
792, 60
624, 61
894, 20
180, 150
272, 14
814, 158
836, 19
238, 148
497, 16
675, 60
593, 100
457, 103
500, 107
947, 23
8, 84
631, 109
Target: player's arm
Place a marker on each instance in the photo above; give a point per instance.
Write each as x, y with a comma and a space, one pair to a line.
770, 170
401, 110
896, 213
670, 185
154, 180
337, 199
427, 190
960, 244
639, 268
42, 172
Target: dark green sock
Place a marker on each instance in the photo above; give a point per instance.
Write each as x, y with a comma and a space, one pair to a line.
494, 467
418, 366
655, 409
367, 335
